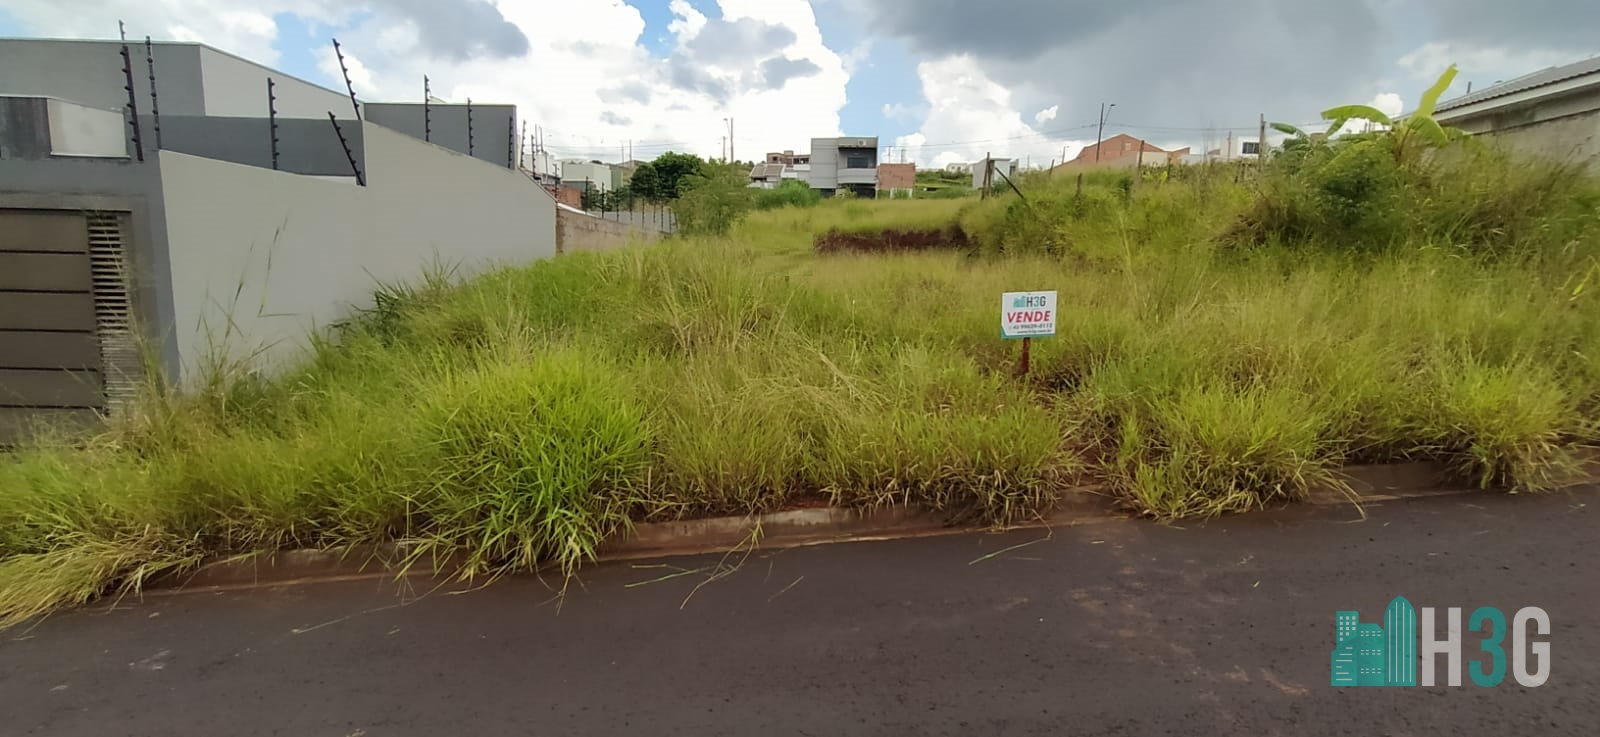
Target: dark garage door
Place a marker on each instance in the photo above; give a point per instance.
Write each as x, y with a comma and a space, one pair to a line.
60, 298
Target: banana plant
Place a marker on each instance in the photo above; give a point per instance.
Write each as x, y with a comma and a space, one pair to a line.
1418, 124
1298, 139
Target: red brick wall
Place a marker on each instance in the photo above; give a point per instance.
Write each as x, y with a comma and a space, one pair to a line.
897, 176
569, 196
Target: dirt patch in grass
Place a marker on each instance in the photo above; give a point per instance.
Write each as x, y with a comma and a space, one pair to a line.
891, 240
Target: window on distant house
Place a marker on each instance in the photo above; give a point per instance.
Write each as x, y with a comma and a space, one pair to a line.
1251, 147
857, 162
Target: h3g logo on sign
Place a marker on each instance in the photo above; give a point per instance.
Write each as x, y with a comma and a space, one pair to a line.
1366, 654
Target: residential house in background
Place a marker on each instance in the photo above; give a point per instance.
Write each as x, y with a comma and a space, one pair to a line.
1554, 113
1234, 148
1121, 151
844, 163
767, 176
778, 167
787, 158
222, 234
958, 168
896, 180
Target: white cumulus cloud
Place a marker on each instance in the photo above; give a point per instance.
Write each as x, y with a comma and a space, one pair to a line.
583, 73
969, 115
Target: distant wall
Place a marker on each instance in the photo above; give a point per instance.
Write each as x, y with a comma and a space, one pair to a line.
1565, 128
279, 254
237, 87
580, 173
569, 196
493, 126
190, 79
576, 231
90, 73
305, 146
1573, 138
897, 176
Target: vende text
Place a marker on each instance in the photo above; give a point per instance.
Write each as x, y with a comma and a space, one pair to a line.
1027, 316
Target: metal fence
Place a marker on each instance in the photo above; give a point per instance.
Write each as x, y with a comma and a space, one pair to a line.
655, 217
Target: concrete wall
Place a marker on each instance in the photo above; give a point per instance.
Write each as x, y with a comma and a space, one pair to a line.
1566, 127
236, 87
824, 172
302, 253
76, 130
1573, 138
305, 146
190, 79
24, 127
90, 73
577, 231
492, 126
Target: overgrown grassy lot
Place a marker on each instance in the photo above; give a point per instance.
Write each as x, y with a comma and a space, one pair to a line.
1226, 338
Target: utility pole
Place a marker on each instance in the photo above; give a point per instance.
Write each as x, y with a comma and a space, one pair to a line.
1261, 144
1138, 169
1099, 133
724, 149
730, 140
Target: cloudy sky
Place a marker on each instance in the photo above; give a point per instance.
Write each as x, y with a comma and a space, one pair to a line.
936, 80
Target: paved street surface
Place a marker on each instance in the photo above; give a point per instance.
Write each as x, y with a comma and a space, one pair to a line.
1120, 628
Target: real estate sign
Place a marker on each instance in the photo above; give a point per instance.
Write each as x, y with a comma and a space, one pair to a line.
1027, 314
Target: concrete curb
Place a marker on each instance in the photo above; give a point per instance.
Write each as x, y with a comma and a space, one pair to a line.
793, 528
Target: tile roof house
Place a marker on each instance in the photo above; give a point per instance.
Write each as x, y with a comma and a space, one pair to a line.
1121, 151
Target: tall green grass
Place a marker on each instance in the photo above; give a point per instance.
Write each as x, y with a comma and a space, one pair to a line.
522, 417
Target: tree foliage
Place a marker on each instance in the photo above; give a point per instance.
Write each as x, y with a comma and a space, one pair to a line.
663, 179
711, 203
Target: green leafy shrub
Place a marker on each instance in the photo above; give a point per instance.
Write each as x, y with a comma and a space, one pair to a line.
791, 193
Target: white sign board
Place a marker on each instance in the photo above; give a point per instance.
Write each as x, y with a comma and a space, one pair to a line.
1027, 314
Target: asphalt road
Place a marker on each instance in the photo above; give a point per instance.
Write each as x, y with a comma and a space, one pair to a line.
1120, 628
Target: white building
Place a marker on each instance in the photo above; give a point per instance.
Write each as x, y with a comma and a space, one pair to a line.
586, 174
544, 166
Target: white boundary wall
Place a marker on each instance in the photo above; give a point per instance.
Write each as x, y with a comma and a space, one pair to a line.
278, 255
